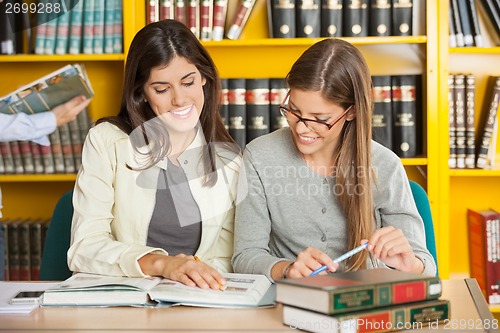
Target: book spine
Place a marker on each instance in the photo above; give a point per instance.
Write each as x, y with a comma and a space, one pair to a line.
376, 320
193, 17
50, 33
8, 159
48, 159
76, 31
355, 18
6, 272
331, 18
2, 166
282, 18
98, 42
382, 110
27, 157
452, 34
24, 251
76, 143
465, 21
181, 11
37, 157
57, 153
476, 30
109, 23
402, 17
166, 9
404, 113
7, 35
490, 108
452, 158
240, 19
35, 249
206, 20
84, 122
277, 94
41, 28
380, 18
493, 14
219, 20
152, 11
460, 119
237, 110
456, 23
257, 103
67, 148
88, 26
307, 18
224, 103
14, 274
16, 155
470, 111
118, 27
62, 33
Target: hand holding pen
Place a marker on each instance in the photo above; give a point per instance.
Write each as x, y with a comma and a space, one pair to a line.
343, 257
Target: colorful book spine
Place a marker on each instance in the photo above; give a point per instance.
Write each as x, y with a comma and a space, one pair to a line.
8, 159
452, 158
109, 23
257, 108
88, 26
460, 119
219, 20
27, 157
41, 28
193, 17
118, 27
76, 31
57, 153
67, 148
385, 319
37, 158
18, 159
181, 11
206, 20
470, 111
224, 103
50, 33
99, 12
48, 159
2, 166
62, 32
152, 11
240, 19
166, 9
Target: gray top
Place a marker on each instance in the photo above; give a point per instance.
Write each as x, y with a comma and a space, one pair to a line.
285, 207
176, 222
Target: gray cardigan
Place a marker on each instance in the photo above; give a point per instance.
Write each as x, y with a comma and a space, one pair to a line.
284, 207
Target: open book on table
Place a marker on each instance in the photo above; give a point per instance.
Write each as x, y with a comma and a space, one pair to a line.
242, 290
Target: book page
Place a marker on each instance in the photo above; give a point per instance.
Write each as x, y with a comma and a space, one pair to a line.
84, 281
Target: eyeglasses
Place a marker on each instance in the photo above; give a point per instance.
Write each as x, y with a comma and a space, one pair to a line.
313, 124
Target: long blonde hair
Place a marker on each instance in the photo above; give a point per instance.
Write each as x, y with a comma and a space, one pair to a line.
338, 70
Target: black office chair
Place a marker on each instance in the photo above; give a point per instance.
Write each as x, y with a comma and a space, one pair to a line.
54, 265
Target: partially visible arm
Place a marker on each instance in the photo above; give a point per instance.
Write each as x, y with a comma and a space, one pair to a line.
21, 126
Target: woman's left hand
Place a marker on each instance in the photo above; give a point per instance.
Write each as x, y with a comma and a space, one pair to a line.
390, 246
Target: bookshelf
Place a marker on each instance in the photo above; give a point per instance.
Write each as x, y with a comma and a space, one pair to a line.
36, 195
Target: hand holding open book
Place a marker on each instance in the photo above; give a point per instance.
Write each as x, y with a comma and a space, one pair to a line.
243, 290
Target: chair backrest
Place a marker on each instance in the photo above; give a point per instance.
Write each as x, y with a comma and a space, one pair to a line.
424, 209
54, 264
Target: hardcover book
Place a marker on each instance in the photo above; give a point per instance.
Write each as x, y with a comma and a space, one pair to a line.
484, 250
382, 110
489, 114
282, 14
331, 18
237, 110
465, 21
257, 100
384, 319
240, 19
241, 290
460, 119
406, 115
402, 17
219, 20
276, 96
355, 18
452, 158
224, 103
470, 111
357, 290
476, 30
459, 36
307, 18
380, 18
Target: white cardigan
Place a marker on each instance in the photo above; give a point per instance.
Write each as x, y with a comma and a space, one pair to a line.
113, 205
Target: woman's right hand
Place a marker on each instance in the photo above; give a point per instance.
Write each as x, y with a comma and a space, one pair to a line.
182, 268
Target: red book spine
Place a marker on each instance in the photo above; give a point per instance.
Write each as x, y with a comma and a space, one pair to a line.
180, 11
409, 292
152, 11
206, 18
166, 9
239, 21
219, 20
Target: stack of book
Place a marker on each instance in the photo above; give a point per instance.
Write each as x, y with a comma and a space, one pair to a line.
376, 300
64, 154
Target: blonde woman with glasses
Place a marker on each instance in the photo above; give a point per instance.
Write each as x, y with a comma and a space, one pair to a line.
314, 190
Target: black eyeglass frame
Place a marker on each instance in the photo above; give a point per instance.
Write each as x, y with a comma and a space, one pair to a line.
284, 111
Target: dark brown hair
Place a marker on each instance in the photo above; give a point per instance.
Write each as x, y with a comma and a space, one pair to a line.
156, 45
338, 70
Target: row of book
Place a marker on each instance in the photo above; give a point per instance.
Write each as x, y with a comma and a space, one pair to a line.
340, 18
465, 24
250, 108
484, 251
61, 27
24, 241
375, 300
64, 154
470, 148
205, 18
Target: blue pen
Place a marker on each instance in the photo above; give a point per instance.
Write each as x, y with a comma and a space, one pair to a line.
342, 258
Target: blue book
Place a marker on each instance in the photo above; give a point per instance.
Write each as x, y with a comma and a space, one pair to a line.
88, 26
75, 38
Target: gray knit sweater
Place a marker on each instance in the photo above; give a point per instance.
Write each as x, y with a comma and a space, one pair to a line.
284, 207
